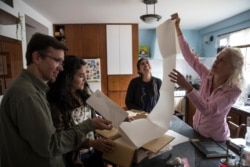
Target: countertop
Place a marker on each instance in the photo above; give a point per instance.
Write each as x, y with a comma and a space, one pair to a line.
243, 108
186, 149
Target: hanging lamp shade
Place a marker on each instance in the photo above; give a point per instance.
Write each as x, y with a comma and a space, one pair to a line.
150, 18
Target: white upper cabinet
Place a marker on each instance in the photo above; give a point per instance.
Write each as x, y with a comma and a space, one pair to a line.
119, 49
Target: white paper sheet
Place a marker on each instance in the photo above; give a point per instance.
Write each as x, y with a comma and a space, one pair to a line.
178, 137
142, 131
107, 108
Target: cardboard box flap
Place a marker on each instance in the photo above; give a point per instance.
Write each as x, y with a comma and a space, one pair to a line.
137, 114
109, 134
157, 144
123, 153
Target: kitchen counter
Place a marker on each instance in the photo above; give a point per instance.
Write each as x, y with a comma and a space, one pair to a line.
183, 150
243, 108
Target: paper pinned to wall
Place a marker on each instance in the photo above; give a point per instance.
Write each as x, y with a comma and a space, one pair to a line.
144, 130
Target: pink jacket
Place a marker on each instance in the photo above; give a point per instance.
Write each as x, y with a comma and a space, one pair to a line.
211, 107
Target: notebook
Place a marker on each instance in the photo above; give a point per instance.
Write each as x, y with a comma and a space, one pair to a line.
210, 148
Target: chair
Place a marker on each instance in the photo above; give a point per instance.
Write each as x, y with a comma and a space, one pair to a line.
236, 131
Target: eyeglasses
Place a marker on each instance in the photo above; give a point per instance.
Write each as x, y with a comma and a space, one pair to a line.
57, 60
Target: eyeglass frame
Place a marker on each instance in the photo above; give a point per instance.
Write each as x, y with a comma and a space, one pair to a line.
57, 60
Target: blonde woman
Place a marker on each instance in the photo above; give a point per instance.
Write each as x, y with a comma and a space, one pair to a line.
220, 87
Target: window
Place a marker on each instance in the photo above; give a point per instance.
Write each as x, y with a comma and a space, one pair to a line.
239, 39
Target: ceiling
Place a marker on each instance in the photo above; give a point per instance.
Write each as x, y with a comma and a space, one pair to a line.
195, 14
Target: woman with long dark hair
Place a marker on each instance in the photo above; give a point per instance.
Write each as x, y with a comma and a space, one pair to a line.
67, 97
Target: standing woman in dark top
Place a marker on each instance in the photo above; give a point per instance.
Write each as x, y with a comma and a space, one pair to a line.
143, 91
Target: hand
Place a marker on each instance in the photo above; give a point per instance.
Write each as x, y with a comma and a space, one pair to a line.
103, 145
177, 23
176, 18
129, 119
176, 77
101, 124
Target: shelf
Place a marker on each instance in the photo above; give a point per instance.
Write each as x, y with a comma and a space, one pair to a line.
59, 33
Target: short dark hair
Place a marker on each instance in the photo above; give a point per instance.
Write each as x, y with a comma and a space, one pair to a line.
39, 42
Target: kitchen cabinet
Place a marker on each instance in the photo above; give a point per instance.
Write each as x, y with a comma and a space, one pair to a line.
87, 41
90, 41
119, 49
59, 33
117, 88
11, 61
73, 39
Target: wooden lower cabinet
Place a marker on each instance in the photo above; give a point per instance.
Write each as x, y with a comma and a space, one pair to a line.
118, 98
117, 88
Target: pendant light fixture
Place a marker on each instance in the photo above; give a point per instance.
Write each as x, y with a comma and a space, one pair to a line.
150, 18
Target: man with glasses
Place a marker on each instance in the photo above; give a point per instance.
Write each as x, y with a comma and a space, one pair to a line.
28, 137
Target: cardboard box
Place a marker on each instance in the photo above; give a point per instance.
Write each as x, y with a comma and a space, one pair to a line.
125, 153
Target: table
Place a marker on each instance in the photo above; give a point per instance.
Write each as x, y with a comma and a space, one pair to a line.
186, 149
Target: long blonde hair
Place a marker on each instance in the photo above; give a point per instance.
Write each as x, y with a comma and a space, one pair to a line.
237, 60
